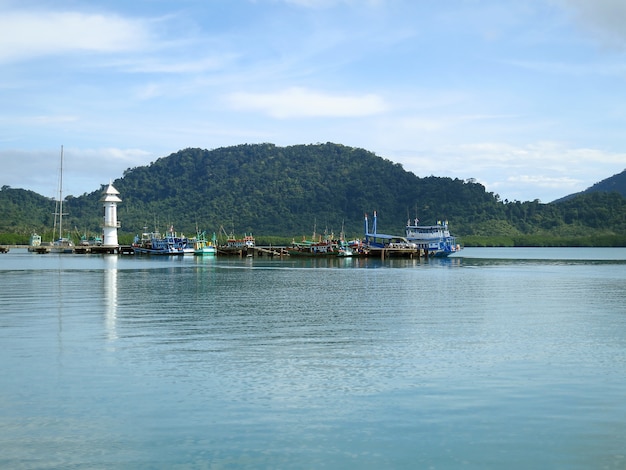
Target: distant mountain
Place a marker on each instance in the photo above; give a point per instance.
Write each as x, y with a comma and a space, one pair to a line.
616, 183
288, 191
293, 191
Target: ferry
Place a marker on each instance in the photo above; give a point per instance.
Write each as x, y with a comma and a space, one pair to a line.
435, 240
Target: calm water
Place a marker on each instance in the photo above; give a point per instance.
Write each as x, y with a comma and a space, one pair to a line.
501, 358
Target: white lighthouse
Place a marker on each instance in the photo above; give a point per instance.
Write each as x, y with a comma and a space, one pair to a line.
111, 224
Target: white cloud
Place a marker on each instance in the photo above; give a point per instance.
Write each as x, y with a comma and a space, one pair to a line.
546, 170
84, 169
26, 35
545, 181
302, 103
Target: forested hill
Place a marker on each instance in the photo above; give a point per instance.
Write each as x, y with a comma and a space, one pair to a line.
291, 191
616, 183
288, 191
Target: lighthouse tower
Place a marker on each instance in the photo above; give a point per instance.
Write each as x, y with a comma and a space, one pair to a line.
109, 200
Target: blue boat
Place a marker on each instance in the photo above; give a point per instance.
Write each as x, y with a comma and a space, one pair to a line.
435, 240
152, 243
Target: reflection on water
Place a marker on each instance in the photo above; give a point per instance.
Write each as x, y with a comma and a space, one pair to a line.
110, 295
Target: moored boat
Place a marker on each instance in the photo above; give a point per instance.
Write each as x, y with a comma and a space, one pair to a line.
435, 240
321, 248
63, 244
152, 243
34, 244
238, 246
431, 240
204, 247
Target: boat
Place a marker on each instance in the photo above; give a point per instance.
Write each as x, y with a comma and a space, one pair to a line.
153, 243
61, 244
203, 247
435, 240
238, 243
34, 244
324, 247
344, 250
92, 240
237, 246
432, 240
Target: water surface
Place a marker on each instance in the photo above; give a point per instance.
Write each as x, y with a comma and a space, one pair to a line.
500, 358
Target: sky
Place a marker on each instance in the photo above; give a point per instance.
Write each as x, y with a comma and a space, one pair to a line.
527, 98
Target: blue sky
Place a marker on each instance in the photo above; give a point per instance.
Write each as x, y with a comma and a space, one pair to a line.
526, 98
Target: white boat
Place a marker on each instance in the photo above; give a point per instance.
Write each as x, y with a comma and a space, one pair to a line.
61, 244
435, 240
34, 244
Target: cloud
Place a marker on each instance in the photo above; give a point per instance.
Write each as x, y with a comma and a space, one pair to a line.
302, 103
84, 169
26, 35
546, 170
545, 181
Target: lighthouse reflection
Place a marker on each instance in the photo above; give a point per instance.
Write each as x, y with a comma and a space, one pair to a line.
110, 296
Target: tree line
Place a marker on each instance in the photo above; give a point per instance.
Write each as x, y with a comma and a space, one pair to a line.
290, 191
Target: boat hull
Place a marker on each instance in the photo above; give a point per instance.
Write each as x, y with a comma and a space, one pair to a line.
309, 254
207, 251
167, 252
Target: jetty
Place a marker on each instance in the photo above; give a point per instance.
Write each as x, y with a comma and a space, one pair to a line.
385, 246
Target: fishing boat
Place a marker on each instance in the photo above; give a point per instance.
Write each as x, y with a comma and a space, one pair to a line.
203, 247
153, 243
237, 246
34, 244
435, 240
324, 247
91, 240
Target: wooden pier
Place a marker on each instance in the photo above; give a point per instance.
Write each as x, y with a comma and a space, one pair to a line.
85, 249
256, 251
395, 252
389, 251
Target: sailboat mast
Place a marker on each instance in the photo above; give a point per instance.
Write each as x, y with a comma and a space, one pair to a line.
61, 198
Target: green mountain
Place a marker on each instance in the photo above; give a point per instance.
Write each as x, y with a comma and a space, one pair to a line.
291, 191
287, 191
616, 183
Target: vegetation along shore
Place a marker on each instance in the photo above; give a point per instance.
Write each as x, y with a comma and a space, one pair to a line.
279, 193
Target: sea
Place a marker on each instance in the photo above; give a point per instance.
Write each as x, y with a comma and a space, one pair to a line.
494, 358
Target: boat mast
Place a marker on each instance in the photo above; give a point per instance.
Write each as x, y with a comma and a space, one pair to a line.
61, 198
